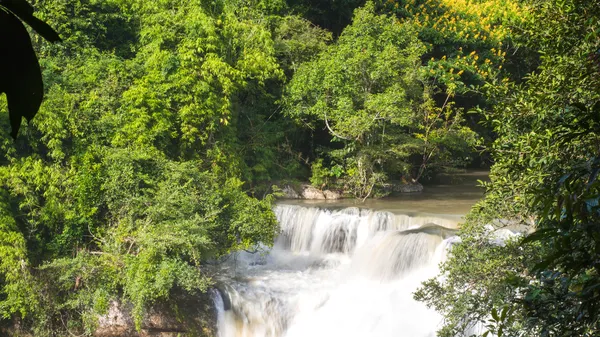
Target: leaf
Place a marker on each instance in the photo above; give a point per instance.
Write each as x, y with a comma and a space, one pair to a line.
540, 234
547, 262
495, 315
23, 10
21, 78
503, 314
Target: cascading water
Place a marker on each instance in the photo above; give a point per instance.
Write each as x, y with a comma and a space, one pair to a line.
345, 272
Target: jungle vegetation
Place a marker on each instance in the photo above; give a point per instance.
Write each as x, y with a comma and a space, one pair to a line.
166, 124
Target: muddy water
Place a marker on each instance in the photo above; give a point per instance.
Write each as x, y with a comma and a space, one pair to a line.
453, 198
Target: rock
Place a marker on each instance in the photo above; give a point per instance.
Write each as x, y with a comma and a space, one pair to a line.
309, 192
312, 193
195, 316
331, 195
117, 322
410, 188
290, 193
13, 327
403, 187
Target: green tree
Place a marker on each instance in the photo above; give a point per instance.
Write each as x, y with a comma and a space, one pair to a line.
332, 15
128, 179
545, 180
468, 44
368, 92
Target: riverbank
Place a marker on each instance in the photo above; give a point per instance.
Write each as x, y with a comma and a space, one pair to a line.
455, 195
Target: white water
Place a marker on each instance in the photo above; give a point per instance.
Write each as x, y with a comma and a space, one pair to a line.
347, 272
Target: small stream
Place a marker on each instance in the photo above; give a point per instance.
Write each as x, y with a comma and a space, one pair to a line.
344, 269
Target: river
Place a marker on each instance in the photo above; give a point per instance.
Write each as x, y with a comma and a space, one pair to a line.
345, 268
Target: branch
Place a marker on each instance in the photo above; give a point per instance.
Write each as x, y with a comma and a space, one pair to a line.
331, 130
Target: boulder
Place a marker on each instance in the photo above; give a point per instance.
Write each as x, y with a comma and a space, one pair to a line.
312, 193
290, 193
195, 316
308, 192
331, 195
409, 188
403, 187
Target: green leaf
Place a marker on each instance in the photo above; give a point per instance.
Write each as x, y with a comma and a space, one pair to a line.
495, 315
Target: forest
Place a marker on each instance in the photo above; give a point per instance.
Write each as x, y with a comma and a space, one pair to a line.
168, 128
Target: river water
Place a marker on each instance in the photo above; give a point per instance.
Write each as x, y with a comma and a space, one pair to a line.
345, 268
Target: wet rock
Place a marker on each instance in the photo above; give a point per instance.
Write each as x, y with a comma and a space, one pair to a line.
403, 187
195, 316
410, 188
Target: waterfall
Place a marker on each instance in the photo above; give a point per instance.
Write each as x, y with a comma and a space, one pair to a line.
336, 272
391, 254
320, 231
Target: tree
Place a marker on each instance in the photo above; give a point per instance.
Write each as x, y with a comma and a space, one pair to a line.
127, 181
367, 90
544, 178
332, 15
468, 44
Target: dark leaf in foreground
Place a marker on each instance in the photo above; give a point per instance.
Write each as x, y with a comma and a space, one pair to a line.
24, 11
20, 74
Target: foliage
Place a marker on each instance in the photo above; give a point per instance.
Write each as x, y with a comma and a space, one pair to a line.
544, 178
333, 15
467, 41
367, 91
469, 44
163, 121
128, 179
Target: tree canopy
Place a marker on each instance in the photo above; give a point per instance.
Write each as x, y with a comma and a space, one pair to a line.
165, 125
545, 178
